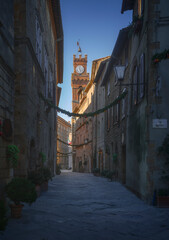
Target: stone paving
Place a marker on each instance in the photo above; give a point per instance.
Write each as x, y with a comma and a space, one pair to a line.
80, 206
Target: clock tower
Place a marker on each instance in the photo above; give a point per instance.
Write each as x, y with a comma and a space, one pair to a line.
80, 78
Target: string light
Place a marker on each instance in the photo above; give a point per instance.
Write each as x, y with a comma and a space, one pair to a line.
85, 115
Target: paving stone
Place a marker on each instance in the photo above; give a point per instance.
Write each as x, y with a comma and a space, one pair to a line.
80, 206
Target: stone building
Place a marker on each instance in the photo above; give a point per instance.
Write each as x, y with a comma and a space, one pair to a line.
7, 77
70, 162
38, 68
63, 141
29, 66
99, 120
84, 160
148, 115
116, 116
79, 81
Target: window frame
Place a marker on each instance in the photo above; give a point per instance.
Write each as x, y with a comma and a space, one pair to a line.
46, 72
38, 41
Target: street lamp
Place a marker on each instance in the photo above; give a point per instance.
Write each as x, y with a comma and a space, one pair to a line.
119, 71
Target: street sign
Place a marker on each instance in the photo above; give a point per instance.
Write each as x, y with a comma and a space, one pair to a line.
159, 123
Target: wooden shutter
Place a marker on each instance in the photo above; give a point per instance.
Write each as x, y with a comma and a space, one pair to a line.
142, 78
135, 85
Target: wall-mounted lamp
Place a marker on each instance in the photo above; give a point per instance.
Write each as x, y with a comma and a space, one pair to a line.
119, 71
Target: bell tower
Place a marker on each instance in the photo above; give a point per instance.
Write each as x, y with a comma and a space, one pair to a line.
79, 79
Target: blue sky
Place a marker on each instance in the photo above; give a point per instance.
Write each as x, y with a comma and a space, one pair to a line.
97, 24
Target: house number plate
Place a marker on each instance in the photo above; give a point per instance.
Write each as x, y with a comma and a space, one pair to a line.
159, 123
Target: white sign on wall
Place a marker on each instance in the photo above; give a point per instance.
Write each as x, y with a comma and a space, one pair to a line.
159, 123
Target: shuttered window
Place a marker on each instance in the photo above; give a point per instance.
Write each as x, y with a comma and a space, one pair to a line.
38, 41
108, 118
135, 85
46, 73
142, 76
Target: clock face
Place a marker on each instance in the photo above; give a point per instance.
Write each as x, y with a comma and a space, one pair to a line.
79, 69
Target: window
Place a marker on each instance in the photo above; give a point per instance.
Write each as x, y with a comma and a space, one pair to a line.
141, 77
108, 88
98, 128
123, 108
158, 86
135, 85
123, 105
115, 79
112, 115
38, 41
116, 113
126, 55
50, 84
108, 118
46, 72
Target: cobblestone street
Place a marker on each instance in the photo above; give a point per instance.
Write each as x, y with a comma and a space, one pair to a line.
82, 206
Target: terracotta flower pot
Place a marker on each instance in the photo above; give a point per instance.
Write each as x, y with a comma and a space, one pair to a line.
163, 201
16, 210
97, 174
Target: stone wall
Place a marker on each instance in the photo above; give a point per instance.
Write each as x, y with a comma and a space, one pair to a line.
6, 86
35, 130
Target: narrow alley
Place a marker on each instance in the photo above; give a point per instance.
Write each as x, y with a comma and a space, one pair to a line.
82, 206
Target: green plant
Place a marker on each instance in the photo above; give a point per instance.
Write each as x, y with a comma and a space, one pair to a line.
21, 190
36, 177
110, 175
104, 173
158, 57
43, 157
96, 170
3, 217
163, 192
12, 155
46, 174
164, 148
163, 151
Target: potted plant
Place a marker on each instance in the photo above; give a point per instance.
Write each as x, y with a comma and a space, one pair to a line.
46, 176
43, 157
36, 178
12, 155
163, 193
96, 172
163, 197
110, 175
20, 190
3, 216
104, 173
